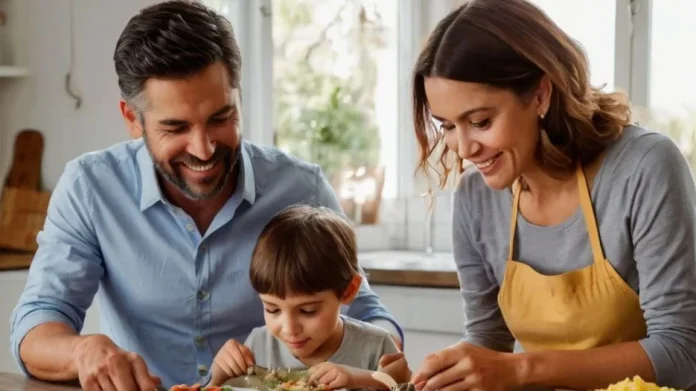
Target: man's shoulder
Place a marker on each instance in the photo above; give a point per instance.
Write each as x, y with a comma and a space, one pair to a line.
275, 162
284, 177
119, 159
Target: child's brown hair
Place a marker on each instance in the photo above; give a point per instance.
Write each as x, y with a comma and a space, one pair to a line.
304, 250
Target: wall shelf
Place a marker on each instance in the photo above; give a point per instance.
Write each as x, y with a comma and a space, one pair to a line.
12, 71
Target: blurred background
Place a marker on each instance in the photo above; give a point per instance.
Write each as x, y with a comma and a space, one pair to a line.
329, 81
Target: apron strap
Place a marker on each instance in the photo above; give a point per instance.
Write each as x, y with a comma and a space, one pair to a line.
589, 215
587, 210
516, 189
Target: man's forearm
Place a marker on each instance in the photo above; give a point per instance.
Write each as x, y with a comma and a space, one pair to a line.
46, 352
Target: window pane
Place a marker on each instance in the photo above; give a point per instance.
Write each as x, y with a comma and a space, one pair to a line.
592, 23
334, 87
672, 60
672, 79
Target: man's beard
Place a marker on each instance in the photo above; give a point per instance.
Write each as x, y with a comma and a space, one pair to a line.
223, 154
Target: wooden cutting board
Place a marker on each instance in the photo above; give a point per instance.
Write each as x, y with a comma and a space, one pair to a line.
25, 169
23, 205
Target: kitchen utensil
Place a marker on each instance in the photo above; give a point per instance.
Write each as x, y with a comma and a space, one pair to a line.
391, 383
22, 205
385, 379
25, 169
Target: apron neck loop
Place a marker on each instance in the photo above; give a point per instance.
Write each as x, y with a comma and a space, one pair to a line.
587, 211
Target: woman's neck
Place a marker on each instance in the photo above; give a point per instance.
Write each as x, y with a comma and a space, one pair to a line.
542, 186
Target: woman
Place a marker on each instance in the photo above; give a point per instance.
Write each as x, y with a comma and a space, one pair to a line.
574, 234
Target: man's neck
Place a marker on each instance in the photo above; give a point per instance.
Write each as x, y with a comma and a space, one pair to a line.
201, 211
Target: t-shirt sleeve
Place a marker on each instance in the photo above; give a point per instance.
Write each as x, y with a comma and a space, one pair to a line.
484, 324
255, 342
663, 229
389, 346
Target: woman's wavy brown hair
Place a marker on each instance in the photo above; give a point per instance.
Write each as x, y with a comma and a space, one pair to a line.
512, 44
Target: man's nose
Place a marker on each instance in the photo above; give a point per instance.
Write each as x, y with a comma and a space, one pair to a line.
200, 145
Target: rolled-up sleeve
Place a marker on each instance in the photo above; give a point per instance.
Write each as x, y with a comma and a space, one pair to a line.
67, 267
366, 306
663, 227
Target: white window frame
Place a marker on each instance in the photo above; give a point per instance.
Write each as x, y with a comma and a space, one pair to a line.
633, 48
252, 22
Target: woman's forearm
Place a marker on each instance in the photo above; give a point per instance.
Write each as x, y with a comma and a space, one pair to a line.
586, 369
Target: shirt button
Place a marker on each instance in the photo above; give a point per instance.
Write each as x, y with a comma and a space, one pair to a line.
202, 370
202, 295
189, 227
199, 340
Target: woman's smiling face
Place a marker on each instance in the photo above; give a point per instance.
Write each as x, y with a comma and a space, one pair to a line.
492, 128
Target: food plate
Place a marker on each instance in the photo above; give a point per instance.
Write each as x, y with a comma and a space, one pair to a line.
263, 379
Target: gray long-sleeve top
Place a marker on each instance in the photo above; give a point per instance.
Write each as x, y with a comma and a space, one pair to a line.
645, 204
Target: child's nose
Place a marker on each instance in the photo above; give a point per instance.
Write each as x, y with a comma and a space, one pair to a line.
291, 327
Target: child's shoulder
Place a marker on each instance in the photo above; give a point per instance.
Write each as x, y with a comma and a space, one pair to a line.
258, 335
363, 329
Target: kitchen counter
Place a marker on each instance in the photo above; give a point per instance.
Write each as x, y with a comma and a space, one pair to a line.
410, 268
15, 382
15, 260
398, 268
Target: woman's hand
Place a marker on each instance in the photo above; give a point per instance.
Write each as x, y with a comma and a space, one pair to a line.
467, 367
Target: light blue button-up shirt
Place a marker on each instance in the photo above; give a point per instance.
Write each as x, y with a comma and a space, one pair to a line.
168, 293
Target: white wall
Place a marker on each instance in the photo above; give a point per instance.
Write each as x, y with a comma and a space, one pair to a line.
40, 40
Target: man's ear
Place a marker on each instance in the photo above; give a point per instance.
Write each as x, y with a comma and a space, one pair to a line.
351, 290
135, 128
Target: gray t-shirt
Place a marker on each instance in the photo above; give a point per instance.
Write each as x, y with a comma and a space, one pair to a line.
362, 346
645, 204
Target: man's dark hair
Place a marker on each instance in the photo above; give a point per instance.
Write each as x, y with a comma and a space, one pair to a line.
174, 39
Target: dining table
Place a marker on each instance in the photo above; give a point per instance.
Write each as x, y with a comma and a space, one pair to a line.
18, 382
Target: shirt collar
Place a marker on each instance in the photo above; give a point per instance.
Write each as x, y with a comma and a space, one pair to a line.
151, 193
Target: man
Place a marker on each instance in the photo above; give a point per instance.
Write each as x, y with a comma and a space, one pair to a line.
165, 223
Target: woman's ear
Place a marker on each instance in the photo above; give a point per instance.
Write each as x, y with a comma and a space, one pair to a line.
351, 290
543, 96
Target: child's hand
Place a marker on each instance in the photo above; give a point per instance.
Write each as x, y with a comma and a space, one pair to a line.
395, 365
334, 376
231, 361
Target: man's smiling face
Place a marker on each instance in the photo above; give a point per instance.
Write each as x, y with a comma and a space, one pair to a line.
191, 127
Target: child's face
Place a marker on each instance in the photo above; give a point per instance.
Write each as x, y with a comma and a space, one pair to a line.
307, 324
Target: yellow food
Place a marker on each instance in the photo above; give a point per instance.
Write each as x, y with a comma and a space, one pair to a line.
637, 384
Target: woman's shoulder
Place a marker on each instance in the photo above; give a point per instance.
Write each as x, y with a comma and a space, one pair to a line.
640, 152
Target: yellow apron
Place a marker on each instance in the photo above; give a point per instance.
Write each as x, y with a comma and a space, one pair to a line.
581, 309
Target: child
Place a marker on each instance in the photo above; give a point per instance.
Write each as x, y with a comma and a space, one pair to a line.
304, 267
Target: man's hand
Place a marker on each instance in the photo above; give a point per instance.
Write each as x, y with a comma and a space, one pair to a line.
396, 366
103, 366
232, 360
